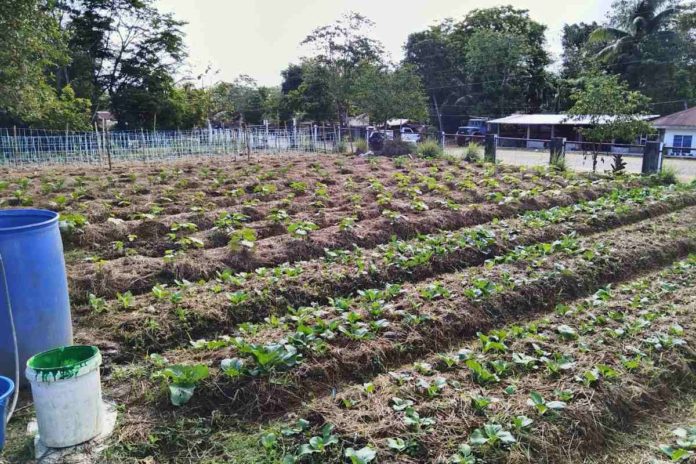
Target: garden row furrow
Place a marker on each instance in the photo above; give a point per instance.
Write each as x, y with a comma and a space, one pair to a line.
272, 366
325, 207
169, 192
250, 297
591, 366
139, 274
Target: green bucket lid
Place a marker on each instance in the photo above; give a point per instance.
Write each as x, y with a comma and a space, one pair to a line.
63, 363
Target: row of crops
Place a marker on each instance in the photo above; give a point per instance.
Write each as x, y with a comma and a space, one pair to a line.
342, 309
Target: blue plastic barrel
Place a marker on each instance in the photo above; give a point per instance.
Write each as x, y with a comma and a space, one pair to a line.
6, 389
32, 253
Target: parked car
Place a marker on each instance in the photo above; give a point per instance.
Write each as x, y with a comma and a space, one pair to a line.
474, 131
409, 135
376, 141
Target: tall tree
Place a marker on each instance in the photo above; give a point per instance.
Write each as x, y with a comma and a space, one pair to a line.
125, 52
463, 71
385, 93
613, 110
636, 22
339, 48
433, 58
575, 58
32, 42
644, 44
498, 79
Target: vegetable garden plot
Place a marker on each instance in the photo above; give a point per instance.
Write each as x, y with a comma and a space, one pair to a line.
525, 388
255, 294
269, 367
194, 311
139, 274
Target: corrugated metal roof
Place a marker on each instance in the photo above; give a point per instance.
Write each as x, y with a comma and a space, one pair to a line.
685, 118
550, 119
397, 122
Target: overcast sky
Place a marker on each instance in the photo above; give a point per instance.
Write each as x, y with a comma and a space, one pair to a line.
260, 37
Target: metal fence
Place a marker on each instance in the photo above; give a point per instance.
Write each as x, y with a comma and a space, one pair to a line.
604, 149
31, 147
106, 147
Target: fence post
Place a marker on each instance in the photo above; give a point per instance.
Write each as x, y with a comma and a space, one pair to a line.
556, 149
442, 139
265, 123
489, 149
652, 158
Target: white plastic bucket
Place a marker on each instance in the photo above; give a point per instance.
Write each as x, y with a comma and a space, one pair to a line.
66, 390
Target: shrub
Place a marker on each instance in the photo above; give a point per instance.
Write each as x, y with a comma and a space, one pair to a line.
558, 163
396, 148
430, 149
360, 146
619, 165
668, 175
472, 152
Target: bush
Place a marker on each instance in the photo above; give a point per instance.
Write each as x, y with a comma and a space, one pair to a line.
558, 163
396, 148
472, 152
430, 149
360, 146
668, 175
619, 165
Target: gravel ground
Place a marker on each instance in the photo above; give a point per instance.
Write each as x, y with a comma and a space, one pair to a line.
686, 168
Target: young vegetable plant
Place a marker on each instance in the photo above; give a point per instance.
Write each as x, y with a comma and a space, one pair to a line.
242, 239
97, 304
542, 406
125, 299
361, 456
183, 380
684, 447
301, 229
492, 435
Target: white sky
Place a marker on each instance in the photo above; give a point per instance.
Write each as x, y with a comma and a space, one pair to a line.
260, 37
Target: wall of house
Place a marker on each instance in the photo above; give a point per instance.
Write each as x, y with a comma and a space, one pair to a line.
668, 140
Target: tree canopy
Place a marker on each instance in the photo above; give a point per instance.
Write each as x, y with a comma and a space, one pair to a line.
62, 61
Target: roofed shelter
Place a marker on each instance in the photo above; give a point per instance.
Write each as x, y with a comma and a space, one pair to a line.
538, 129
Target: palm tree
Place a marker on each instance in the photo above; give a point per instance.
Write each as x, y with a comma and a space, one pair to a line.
646, 19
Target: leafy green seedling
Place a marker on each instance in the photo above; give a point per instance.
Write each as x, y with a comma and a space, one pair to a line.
542, 406
301, 229
491, 434
184, 379
521, 422
97, 304
361, 456
566, 332
464, 455
480, 403
125, 299
269, 440
242, 239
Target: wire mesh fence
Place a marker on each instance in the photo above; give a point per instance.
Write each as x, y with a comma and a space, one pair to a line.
117, 146
453, 141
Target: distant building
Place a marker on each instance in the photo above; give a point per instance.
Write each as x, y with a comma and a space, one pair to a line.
105, 118
678, 132
535, 130
360, 120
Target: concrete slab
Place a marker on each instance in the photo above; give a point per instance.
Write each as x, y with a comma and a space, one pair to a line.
84, 453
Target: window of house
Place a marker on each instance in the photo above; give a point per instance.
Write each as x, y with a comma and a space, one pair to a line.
682, 144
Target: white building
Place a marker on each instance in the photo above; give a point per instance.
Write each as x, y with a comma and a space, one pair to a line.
678, 132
